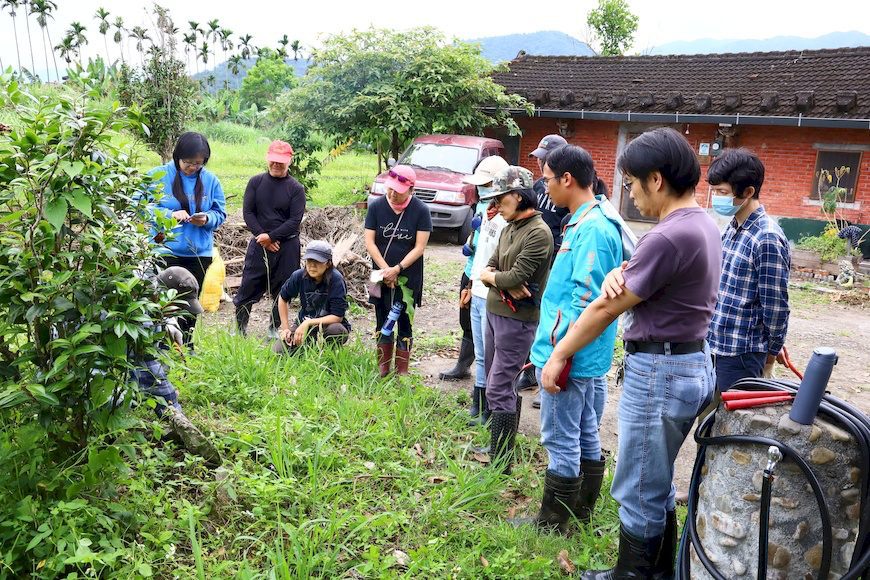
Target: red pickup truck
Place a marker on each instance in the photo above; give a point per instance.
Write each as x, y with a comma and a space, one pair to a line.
440, 162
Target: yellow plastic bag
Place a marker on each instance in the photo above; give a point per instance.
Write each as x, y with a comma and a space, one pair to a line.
213, 284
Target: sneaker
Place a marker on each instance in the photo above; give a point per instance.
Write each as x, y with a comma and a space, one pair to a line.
191, 437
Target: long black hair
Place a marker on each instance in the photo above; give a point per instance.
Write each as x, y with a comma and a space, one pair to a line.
189, 145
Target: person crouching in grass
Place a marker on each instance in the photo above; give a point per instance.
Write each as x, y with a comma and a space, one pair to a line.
322, 296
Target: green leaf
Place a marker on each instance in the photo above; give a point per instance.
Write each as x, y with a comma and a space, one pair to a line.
87, 349
37, 539
145, 570
72, 169
38, 392
82, 202
116, 346
55, 212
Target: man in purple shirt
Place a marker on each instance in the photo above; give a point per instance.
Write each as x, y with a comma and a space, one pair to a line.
670, 285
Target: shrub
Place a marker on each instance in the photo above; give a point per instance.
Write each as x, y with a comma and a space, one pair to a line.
829, 247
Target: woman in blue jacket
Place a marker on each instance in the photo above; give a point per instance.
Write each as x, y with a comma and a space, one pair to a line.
195, 199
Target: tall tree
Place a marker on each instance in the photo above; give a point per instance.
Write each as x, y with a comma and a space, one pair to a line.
190, 45
235, 64
77, 33
378, 87
43, 9
282, 51
613, 25
246, 47
226, 44
214, 37
103, 16
296, 47
141, 35
203, 54
12, 7
67, 48
29, 38
118, 37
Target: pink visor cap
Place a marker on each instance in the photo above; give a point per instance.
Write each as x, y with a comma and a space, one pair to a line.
279, 152
401, 178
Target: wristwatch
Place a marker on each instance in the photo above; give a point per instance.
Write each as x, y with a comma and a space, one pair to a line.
401, 267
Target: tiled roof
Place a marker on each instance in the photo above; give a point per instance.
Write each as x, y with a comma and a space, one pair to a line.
832, 83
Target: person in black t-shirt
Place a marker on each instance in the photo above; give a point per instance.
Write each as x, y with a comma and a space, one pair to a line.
397, 227
273, 208
322, 296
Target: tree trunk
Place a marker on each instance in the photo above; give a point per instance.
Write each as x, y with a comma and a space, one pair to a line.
53, 56
394, 144
379, 157
30, 42
45, 50
17, 50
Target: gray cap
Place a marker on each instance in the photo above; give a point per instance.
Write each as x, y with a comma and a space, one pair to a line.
180, 279
511, 178
318, 250
547, 144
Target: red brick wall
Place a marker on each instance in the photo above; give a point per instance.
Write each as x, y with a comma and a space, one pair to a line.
787, 153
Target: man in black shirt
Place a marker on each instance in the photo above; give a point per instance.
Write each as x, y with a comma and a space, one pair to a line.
273, 208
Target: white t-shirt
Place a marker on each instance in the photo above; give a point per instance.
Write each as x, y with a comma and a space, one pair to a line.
487, 242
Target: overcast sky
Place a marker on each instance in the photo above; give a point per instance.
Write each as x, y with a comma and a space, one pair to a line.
661, 21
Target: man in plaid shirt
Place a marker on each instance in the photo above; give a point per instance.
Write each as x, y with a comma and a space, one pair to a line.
748, 329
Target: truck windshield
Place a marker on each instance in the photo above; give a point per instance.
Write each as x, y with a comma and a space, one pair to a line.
441, 157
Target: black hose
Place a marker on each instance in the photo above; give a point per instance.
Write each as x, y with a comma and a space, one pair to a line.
763, 521
856, 422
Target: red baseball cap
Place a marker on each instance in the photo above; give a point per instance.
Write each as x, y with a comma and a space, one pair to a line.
279, 152
401, 178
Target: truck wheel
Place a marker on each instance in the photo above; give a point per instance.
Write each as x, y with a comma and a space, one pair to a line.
465, 229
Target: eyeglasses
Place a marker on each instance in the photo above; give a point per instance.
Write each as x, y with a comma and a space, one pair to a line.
547, 180
401, 178
193, 163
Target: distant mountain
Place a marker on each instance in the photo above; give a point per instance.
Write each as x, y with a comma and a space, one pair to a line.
498, 49
710, 45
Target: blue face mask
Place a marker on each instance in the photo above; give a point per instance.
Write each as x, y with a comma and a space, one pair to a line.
724, 205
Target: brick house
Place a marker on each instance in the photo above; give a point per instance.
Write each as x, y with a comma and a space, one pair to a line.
800, 111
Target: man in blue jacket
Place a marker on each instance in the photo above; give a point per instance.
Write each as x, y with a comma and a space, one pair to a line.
591, 247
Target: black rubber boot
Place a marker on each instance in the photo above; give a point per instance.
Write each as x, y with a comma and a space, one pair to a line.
503, 429
592, 473
243, 314
560, 493
664, 567
478, 409
463, 363
637, 559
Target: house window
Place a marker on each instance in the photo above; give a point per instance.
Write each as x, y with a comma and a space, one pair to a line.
836, 173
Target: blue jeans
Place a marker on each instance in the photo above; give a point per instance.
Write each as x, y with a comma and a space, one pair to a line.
478, 332
661, 396
730, 369
600, 384
569, 426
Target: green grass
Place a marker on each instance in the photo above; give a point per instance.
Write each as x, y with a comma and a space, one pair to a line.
327, 472
238, 153
802, 295
343, 178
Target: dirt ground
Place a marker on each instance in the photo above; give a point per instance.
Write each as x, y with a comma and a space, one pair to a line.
846, 328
